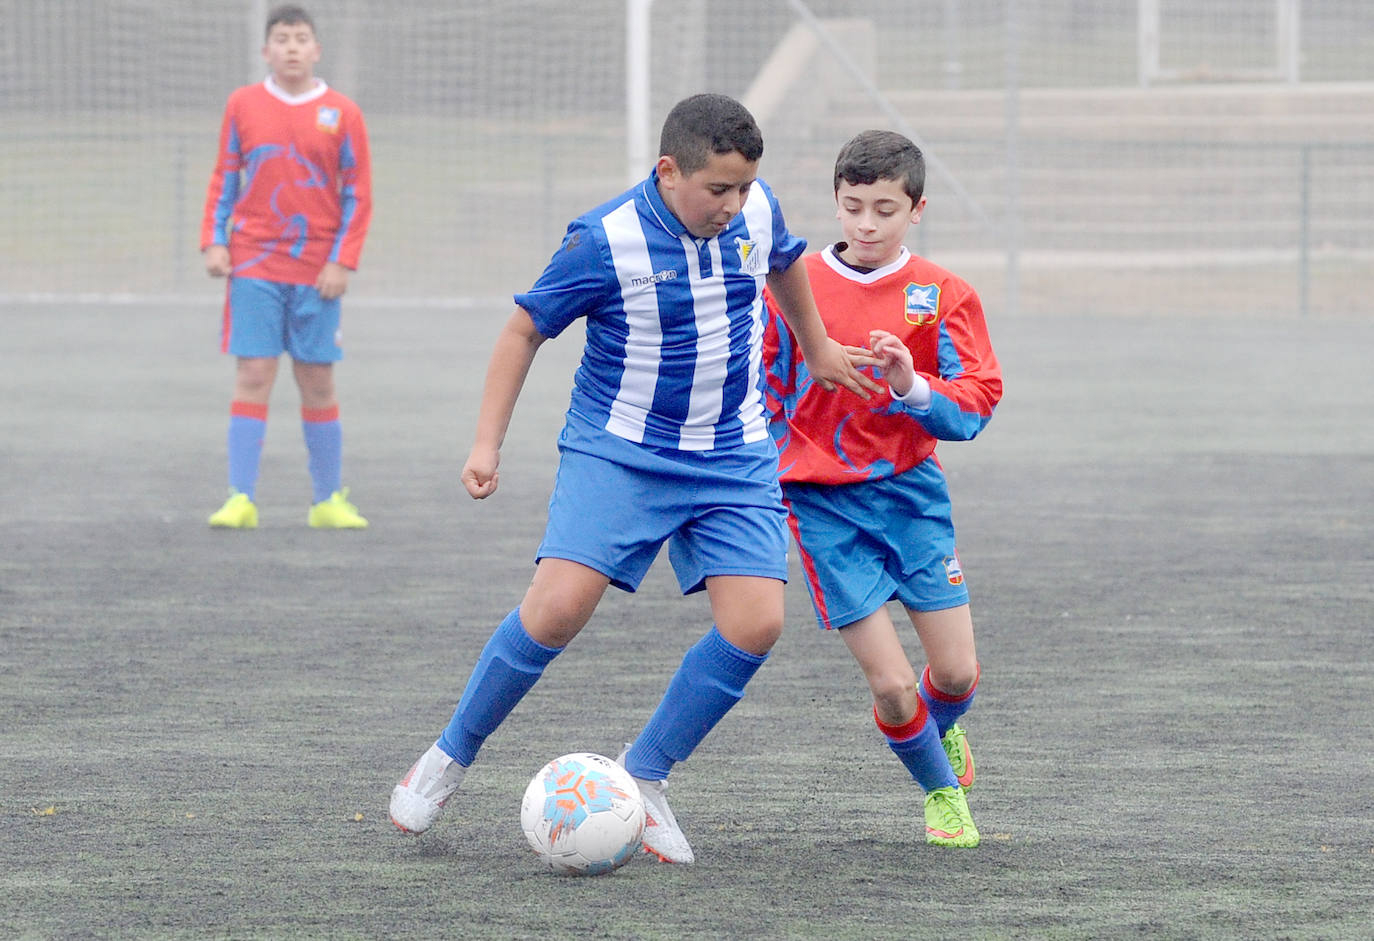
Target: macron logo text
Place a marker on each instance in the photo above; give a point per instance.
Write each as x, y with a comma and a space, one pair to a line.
654, 278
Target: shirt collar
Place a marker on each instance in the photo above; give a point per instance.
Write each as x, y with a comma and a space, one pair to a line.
831, 255
278, 92
658, 210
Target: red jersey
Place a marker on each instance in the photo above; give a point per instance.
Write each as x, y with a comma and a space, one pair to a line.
292, 188
839, 437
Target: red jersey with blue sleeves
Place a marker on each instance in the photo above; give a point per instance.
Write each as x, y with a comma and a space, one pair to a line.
840, 438
292, 188
674, 323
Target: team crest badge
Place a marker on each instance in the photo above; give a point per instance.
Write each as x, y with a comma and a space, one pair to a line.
750, 258
922, 304
327, 120
953, 571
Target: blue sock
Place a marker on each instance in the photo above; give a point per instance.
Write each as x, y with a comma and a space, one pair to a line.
247, 425
944, 708
510, 664
324, 444
917, 746
710, 680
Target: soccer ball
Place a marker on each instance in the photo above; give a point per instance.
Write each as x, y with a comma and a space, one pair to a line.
583, 815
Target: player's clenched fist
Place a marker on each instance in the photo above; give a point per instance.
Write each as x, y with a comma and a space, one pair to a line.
332, 281
217, 261
480, 476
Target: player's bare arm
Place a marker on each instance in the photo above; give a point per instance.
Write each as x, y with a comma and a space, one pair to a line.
332, 280
829, 363
894, 359
216, 261
510, 363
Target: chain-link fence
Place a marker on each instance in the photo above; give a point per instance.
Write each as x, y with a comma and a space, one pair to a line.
1130, 156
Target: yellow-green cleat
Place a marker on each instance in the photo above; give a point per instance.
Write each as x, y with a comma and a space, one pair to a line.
336, 513
238, 512
948, 821
960, 757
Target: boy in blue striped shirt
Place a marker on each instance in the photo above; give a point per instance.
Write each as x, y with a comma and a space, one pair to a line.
665, 440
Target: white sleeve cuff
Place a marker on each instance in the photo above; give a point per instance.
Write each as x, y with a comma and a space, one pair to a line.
917, 397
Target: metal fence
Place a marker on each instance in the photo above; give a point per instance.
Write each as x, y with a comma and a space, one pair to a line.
1115, 157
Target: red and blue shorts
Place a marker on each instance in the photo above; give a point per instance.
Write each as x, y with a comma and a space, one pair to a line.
267, 318
863, 545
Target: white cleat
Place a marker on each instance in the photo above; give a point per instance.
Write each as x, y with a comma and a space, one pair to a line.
662, 836
422, 793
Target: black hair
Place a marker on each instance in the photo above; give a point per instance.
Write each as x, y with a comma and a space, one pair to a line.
288, 15
870, 156
709, 124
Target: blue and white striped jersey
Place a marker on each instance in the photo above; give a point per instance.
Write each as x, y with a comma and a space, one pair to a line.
674, 323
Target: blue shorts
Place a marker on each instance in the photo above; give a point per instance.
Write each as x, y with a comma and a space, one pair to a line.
616, 502
863, 545
268, 318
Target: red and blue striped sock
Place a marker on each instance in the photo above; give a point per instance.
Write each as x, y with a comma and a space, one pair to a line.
917, 744
324, 445
946, 708
247, 426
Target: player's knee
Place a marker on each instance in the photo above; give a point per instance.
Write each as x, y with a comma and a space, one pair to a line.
761, 639
254, 378
756, 637
316, 384
894, 692
552, 625
955, 678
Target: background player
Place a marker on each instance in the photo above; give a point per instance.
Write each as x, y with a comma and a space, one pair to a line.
867, 499
285, 218
665, 440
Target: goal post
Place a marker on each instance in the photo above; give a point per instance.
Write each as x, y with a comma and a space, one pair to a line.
637, 78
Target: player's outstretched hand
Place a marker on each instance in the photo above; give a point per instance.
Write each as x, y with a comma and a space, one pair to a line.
839, 365
217, 263
480, 476
893, 358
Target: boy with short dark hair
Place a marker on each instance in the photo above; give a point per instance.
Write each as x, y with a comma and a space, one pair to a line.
285, 218
867, 499
665, 441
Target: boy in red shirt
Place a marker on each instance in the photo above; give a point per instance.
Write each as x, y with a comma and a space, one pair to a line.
867, 499
285, 217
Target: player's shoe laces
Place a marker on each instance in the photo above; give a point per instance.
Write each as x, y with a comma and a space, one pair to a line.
336, 513
948, 821
422, 793
662, 836
955, 741
238, 512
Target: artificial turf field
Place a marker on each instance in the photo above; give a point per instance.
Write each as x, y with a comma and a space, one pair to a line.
1168, 530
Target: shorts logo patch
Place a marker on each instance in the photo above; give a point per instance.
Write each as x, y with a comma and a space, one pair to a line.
922, 304
327, 119
953, 571
750, 261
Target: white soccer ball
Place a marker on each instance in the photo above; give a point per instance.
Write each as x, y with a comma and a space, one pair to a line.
583, 815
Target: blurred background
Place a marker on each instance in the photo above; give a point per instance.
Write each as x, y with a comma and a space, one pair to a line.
1086, 156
